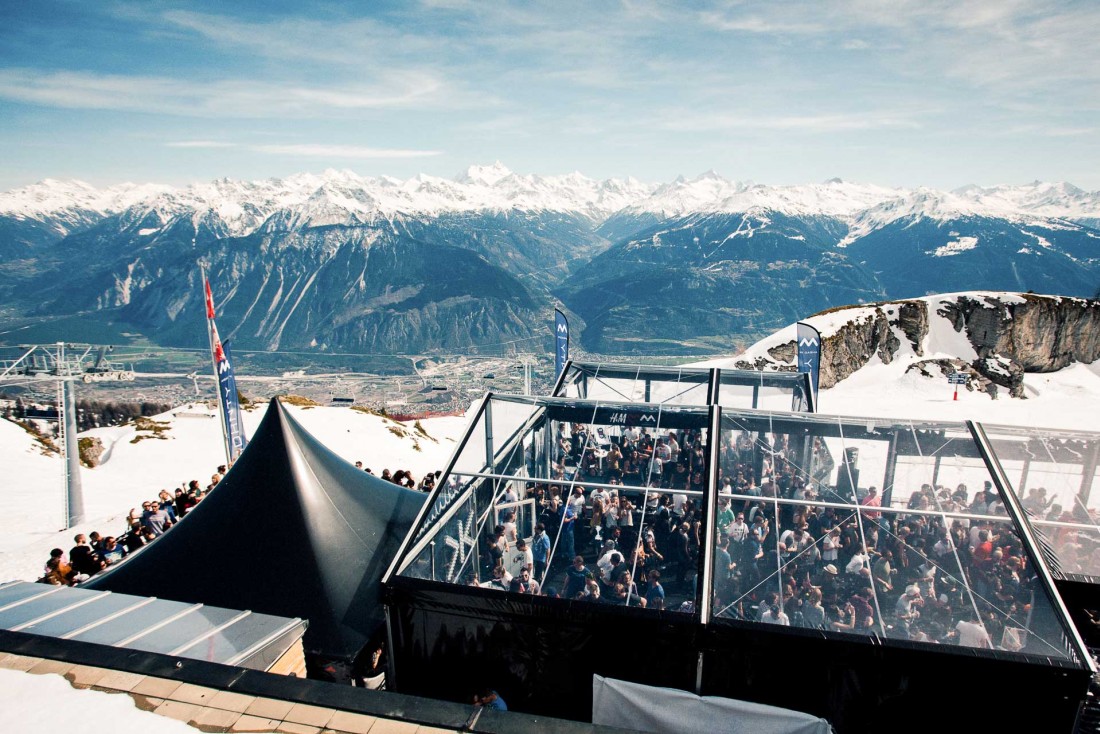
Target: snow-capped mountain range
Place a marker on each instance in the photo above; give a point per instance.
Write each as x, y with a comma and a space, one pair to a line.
340, 197
340, 262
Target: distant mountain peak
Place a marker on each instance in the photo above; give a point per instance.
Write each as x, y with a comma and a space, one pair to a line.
709, 175
239, 207
487, 175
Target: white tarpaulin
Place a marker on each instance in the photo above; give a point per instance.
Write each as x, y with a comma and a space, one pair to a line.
671, 711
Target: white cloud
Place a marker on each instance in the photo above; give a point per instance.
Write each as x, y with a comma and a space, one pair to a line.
759, 24
344, 43
309, 150
793, 123
1051, 131
313, 150
225, 98
1008, 45
200, 144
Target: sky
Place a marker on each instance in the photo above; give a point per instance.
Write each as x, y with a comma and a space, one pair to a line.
936, 93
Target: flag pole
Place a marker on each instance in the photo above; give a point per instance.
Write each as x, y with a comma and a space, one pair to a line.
212, 336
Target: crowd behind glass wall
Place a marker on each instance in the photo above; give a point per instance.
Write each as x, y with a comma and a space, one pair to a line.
813, 531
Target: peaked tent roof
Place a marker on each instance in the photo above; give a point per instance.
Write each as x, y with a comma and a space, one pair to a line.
293, 530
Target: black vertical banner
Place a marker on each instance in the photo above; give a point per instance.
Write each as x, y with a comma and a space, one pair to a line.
809, 354
561, 342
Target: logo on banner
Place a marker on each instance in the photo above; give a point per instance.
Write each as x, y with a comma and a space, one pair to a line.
561, 353
809, 354
631, 419
233, 425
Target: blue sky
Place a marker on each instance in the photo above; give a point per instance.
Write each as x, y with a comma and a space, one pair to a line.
911, 92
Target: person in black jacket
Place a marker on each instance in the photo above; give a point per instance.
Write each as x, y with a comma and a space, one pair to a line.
83, 557
681, 553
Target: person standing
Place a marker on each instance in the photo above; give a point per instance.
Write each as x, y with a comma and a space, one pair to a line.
155, 519
540, 549
519, 559
681, 554
655, 593
566, 546
738, 533
577, 577
84, 559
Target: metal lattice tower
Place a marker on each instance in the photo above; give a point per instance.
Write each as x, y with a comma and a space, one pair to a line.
45, 363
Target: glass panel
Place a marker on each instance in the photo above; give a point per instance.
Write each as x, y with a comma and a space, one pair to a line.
601, 479
508, 420
264, 658
571, 386
228, 644
683, 390
775, 397
637, 384
19, 590
735, 394
451, 554
685, 386
42, 605
472, 456
872, 527
117, 630
744, 389
182, 630
616, 388
86, 614
1054, 475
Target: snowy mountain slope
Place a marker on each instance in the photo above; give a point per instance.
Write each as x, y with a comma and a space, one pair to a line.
713, 194
138, 465
1054, 200
1016, 348
50, 196
944, 249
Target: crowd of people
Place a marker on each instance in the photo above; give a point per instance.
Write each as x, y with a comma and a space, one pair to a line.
613, 544
405, 478
916, 572
924, 577
94, 552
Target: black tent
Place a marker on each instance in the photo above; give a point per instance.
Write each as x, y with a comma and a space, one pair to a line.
293, 530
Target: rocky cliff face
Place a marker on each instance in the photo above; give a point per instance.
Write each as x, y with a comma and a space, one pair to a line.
1040, 333
1010, 335
874, 330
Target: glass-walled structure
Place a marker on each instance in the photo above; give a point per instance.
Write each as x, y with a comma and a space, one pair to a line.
568, 479
730, 388
710, 533
886, 529
1056, 477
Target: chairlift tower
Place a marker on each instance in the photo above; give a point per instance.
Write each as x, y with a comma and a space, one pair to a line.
528, 361
65, 364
